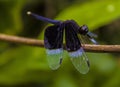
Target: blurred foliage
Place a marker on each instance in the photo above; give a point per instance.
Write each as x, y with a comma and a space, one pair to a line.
94, 14
10, 16
27, 66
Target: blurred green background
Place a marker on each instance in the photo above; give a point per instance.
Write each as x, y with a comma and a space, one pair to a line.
26, 66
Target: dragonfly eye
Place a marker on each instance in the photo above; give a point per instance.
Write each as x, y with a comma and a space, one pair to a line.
83, 30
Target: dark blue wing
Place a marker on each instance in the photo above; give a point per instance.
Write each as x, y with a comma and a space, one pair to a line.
73, 46
83, 30
53, 41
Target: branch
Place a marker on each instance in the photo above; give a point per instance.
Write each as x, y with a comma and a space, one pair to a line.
40, 43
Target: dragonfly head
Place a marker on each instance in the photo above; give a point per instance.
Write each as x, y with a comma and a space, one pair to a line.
83, 30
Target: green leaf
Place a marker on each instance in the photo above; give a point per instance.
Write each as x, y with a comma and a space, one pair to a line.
94, 14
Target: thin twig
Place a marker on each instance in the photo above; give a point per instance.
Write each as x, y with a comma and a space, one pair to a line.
40, 43
21, 40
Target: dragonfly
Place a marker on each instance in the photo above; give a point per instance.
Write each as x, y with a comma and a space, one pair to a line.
53, 42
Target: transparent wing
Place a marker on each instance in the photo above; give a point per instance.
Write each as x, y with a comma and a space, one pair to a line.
53, 40
80, 60
54, 58
76, 52
88, 40
84, 39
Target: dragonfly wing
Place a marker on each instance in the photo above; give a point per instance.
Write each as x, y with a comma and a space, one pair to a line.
87, 39
53, 40
80, 60
76, 52
54, 58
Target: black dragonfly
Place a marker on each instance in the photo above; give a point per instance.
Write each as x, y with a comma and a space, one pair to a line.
53, 42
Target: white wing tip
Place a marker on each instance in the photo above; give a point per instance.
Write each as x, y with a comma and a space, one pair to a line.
76, 53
